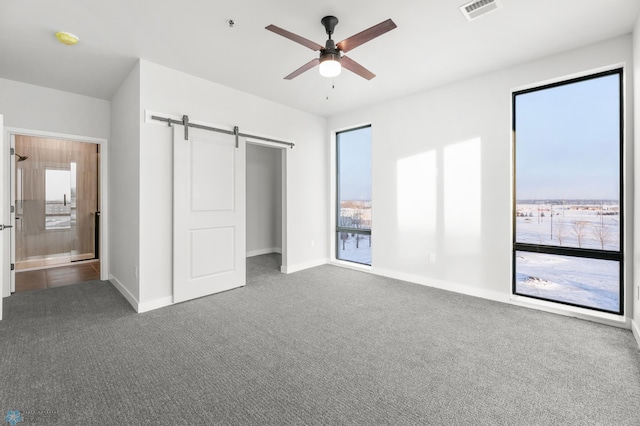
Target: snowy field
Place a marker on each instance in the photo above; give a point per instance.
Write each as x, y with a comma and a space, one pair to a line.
581, 281
595, 226
586, 282
362, 254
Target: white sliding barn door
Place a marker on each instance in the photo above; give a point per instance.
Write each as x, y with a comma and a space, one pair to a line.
209, 254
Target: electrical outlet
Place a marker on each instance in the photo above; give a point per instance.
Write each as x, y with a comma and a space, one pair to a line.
313, 243
135, 271
432, 257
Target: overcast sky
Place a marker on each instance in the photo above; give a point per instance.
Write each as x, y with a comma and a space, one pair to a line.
354, 153
568, 140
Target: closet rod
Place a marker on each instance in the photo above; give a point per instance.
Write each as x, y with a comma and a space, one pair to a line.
214, 129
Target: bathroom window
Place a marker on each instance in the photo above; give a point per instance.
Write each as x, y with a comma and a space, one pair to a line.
57, 199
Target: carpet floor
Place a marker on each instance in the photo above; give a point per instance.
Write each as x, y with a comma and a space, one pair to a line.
324, 346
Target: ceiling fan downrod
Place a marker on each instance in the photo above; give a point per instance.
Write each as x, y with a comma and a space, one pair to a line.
329, 23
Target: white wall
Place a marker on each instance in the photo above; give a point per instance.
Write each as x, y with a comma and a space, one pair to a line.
41, 109
167, 91
441, 151
264, 198
32, 107
636, 259
124, 187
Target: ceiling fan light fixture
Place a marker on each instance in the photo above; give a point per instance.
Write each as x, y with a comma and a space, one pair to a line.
331, 53
330, 65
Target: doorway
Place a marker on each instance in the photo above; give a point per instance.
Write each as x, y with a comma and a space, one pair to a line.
265, 201
55, 191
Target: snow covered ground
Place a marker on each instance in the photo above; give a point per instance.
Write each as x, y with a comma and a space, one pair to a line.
586, 282
583, 225
362, 254
581, 281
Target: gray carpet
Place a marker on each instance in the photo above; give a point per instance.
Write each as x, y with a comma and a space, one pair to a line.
321, 346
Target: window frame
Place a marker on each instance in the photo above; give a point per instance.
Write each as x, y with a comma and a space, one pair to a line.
563, 250
338, 228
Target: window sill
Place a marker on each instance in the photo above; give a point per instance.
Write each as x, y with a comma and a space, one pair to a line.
572, 311
350, 265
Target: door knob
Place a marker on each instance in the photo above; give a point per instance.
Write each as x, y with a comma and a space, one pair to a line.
2, 227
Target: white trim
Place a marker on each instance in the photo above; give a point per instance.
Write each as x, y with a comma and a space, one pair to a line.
443, 285
284, 221
264, 251
525, 302
125, 293
350, 265
133, 301
155, 304
636, 331
303, 266
571, 311
54, 135
5, 252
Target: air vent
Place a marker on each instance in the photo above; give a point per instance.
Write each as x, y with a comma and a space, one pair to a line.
477, 8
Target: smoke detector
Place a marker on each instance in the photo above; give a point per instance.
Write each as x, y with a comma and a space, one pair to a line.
477, 8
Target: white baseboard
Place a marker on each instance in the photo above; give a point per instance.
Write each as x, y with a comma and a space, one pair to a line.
302, 266
155, 304
133, 301
443, 285
636, 331
264, 251
585, 314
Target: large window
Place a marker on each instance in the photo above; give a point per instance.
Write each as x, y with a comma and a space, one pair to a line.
567, 211
353, 221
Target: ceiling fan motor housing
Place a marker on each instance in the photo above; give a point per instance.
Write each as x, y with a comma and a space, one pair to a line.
330, 52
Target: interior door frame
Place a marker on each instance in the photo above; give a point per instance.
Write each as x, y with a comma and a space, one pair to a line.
103, 180
284, 150
4, 209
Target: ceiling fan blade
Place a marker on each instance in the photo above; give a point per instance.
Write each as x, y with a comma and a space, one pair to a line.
355, 67
294, 37
366, 35
306, 67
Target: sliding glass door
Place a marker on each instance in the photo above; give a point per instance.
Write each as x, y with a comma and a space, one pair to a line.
568, 204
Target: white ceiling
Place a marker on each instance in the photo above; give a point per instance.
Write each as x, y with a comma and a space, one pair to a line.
433, 44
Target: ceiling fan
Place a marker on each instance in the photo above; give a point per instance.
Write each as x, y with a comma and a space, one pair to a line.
331, 58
